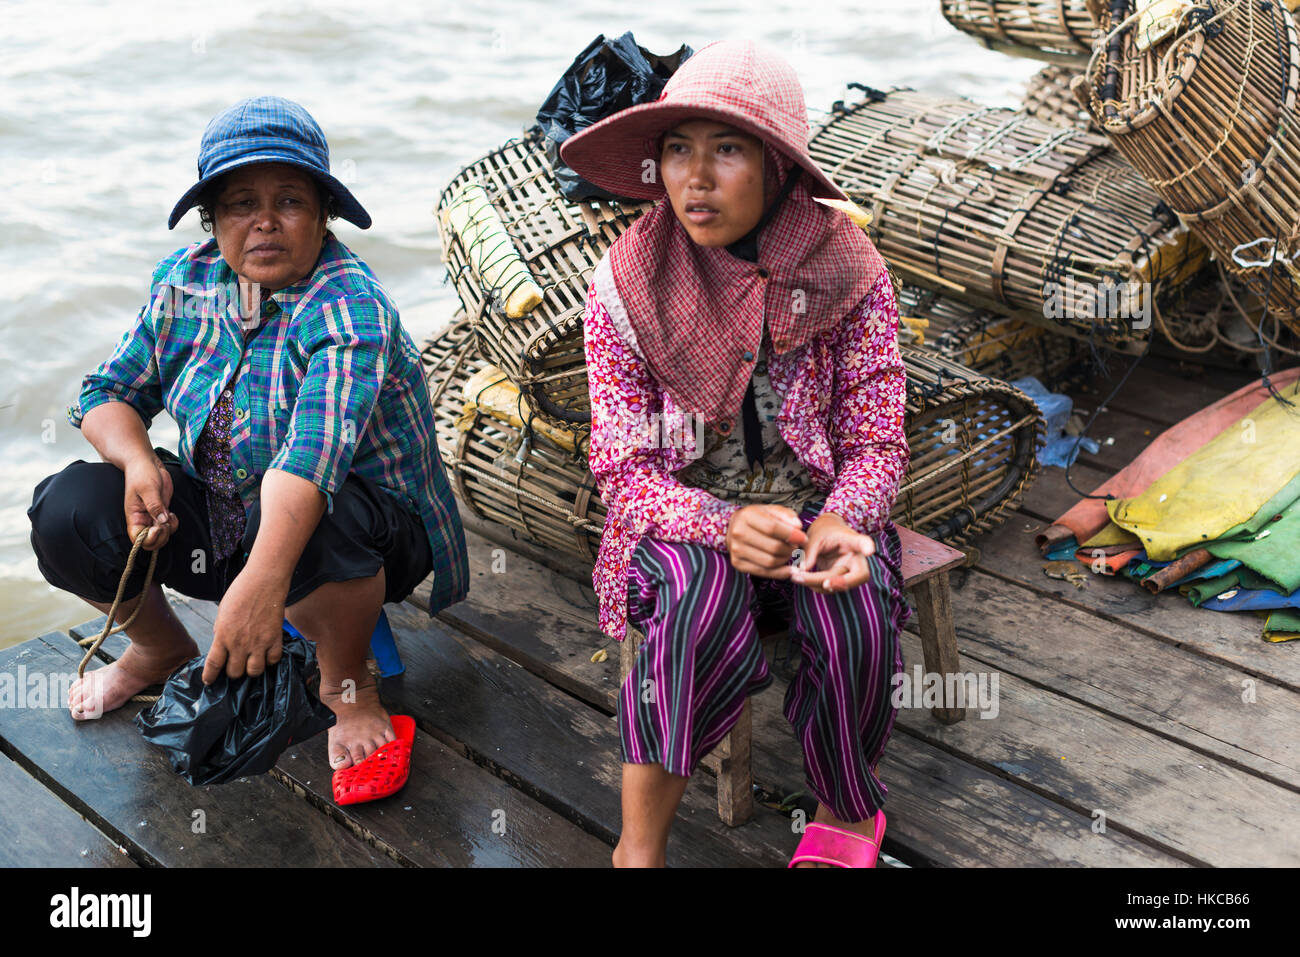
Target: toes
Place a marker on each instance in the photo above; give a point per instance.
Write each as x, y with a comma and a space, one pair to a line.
85, 698
339, 757
359, 753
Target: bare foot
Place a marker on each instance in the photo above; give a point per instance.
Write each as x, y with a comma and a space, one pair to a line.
362, 725
866, 828
106, 689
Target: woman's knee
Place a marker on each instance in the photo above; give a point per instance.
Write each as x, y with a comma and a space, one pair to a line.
61, 501
78, 527
77, 505
687, 581
856, 623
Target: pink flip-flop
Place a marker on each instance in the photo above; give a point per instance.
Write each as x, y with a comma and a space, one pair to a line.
824, 844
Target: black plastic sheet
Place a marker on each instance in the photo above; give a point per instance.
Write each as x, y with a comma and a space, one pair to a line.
608, 76
236, 726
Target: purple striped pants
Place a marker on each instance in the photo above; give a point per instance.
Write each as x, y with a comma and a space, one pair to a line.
702, 657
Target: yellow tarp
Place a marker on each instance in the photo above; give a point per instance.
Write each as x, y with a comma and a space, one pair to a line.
1221, 485
1112, 534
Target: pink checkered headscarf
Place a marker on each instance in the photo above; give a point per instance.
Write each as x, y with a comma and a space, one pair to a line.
698, 311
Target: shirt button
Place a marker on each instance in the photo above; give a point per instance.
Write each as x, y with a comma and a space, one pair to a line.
749, 356
724, 428
239, 414
271, 307
762, 273
241, 474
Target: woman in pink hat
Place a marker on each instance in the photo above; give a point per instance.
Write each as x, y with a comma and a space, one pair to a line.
747, 439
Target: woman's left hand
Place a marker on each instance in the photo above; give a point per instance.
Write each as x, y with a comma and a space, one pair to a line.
246, 638
845, 552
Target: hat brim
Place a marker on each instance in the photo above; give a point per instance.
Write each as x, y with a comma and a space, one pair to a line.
611, 152
345, 204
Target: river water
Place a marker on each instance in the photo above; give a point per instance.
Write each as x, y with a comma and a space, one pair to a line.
103, 106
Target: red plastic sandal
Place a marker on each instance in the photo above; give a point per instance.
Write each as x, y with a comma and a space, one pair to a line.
383, 773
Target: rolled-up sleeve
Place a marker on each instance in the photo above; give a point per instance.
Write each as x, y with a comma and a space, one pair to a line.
629, 468
129, 375
867, 434
346, 350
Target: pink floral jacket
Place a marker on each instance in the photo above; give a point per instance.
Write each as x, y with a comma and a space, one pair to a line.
842, 415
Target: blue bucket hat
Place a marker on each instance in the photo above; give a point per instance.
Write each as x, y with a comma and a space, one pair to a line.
267, 129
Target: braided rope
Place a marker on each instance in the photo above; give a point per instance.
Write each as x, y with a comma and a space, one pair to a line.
109, 627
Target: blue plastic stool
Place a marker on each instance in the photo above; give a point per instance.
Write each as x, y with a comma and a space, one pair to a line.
382, 646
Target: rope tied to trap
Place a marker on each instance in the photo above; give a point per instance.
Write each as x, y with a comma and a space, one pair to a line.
109, 627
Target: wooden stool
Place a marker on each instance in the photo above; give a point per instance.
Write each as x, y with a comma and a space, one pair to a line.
925, 573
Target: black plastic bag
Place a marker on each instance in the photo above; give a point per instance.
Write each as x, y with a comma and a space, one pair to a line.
608, 76
236, 726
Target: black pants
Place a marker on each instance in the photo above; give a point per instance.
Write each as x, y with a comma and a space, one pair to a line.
79, 536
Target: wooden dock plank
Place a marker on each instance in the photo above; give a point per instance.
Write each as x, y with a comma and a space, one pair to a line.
451, 813
942, 810
1160, 791
1050, 496
485, 708
1150, 394
1129, 435
41, 831
107, 773
1138, 796
1189, 698
1233, 638
557, 748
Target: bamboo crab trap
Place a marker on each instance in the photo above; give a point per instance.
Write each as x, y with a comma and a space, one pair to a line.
1048, 97
1210, 313
505, 466
1000, 209
1060, 31
521, 257
992, 344
1201, 99
972, 439
974, 442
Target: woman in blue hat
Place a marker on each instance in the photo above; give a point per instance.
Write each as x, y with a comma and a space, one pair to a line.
307, 483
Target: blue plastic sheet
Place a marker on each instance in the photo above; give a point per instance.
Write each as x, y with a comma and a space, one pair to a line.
1060, 450
1247, 599
1064, 450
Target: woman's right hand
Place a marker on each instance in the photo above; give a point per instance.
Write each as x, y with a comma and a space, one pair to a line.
148, 495
762, 538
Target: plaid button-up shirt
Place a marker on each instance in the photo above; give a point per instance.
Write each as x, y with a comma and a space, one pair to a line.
331, 384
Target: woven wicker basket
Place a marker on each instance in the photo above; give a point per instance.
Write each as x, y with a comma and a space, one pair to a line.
1209, 116
1059, 31
996, 208
560, 242
972, 441
1048, 98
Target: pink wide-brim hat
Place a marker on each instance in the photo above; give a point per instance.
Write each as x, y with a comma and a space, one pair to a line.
732, 82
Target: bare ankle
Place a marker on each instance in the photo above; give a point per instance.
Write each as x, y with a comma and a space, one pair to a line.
626, 855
